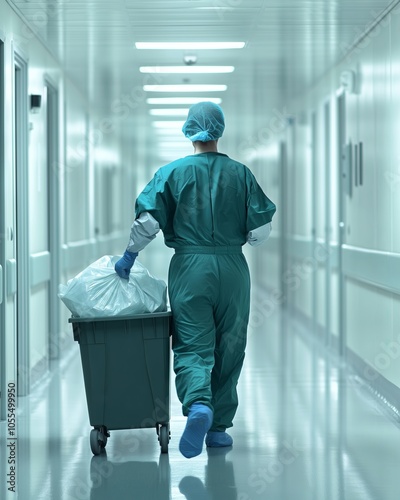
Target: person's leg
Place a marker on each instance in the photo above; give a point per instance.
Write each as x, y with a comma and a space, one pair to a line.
231, 319
192, 282
192, 288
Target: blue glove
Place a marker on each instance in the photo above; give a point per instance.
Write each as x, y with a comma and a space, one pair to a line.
123, 266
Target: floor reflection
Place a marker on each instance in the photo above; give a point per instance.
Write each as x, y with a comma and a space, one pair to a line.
219, 479
131, 479
305, 428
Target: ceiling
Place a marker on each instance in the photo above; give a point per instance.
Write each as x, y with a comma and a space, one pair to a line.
289, 44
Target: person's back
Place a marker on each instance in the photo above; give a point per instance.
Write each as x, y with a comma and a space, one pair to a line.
208, 206
208, 198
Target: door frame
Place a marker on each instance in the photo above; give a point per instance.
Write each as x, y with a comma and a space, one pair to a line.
20, 161
314, 189
2, 240
342, 180
327, 113
54, 216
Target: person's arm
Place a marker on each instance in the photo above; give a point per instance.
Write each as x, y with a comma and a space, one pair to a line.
260, 210
260, 235
143, 230
151, 213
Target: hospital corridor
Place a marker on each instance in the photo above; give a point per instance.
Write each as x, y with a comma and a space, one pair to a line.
199, 250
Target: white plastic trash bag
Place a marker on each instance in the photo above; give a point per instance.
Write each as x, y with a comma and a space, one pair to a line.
98, 291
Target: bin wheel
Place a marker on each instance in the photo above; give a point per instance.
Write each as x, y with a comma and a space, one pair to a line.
164, 438
98, 440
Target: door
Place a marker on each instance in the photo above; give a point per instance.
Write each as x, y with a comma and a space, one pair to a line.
22, 221
315, 299
328, 232
53, 222
2, 237
344, 173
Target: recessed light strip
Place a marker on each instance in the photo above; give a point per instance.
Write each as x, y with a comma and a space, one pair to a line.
168, 133
184, 88
181, 100
169, 112
187, 69
168, 124
189, 45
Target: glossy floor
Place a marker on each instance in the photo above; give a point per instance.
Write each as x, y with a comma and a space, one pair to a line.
304, 430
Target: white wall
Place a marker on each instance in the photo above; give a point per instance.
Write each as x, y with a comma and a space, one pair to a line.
371, 223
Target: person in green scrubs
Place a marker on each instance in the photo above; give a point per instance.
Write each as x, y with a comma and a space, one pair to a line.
208, 206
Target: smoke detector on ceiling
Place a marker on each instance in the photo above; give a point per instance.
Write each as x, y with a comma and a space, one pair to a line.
189, 59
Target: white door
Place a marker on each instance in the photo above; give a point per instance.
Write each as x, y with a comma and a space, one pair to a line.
53, 217
2, 237
328, 192
22, 224
344, 173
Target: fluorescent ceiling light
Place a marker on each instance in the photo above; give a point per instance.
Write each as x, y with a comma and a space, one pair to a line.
213, 8
169, 112
189, 45
181, 100
184, 88
168, 124
187, 69
166, 133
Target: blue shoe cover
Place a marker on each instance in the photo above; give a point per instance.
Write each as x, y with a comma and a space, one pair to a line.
218, 439
199, 421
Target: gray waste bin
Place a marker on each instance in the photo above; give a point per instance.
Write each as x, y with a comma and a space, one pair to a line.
125, 362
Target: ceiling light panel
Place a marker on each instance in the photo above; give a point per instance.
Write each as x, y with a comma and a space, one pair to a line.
168, 133
184, 88
187, 69
168, 124
181, 100
188, 5
169, 112
189, 45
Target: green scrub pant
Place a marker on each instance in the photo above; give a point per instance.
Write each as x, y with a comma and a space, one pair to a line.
210, 302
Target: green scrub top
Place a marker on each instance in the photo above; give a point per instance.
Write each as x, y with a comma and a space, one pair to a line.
205, 199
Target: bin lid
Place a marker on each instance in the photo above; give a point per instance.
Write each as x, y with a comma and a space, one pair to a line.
164, 314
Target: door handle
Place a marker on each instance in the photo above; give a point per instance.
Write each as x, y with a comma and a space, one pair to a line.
356, 166
11, 276
347, 168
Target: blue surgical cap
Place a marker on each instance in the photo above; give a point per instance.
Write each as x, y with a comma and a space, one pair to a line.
205, 122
